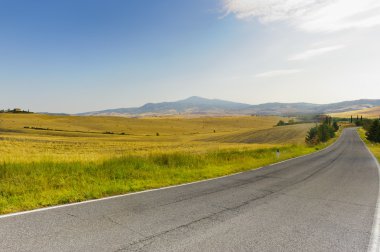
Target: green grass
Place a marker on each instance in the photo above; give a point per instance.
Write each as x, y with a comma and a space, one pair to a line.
31, 185
373, 147
41, 168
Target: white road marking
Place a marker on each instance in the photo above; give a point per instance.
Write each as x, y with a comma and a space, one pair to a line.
375, 235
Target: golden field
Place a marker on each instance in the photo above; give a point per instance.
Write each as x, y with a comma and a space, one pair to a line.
47, 160
370, 113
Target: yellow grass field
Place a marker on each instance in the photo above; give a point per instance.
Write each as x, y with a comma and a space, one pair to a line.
88, 138
48, 160
366, 113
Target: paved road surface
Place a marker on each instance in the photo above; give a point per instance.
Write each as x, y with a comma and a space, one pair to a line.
322, 202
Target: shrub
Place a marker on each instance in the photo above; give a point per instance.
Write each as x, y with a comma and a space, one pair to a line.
335, 126
373, 134
312, 136
281, 123
321, 133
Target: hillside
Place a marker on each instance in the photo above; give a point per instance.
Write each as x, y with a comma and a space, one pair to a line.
293, 134
366, 113
87, 126
191, 105
202, 106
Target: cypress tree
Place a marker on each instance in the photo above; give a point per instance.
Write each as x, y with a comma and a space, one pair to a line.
312, 136
323, 132
335, 126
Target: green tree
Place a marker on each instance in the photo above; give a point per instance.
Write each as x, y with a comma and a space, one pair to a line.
324, 133
335, 126
312, 136
281, 123
367, 123
373, 133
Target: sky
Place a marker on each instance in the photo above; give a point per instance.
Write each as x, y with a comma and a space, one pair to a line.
86, 55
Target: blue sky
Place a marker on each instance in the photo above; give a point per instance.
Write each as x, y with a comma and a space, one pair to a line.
84, 55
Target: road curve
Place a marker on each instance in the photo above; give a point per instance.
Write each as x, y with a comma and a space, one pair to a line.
322, 202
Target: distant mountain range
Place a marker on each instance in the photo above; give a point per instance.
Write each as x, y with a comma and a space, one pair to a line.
201, 106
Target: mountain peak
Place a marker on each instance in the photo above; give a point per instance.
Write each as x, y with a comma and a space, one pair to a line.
195, 99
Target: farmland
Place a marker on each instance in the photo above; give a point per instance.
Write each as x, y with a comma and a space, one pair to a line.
371, 113
48, 160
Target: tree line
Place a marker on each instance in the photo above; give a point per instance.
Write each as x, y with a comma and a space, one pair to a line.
15, 111
328, 126
371, 126
323, 132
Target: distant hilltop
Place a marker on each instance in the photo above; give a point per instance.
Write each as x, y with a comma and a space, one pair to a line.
15, 111
202, 106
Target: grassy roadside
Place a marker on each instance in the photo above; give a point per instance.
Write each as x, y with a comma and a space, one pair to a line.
25, 186
373, 147
40, 168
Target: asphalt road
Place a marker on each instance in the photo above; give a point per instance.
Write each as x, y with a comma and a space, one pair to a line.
321, 202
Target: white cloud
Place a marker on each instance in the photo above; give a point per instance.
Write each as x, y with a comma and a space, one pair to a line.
315, 52
310, 15
276, 73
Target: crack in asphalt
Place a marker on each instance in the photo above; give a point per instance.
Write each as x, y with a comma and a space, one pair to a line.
327, 200
267, 193
191, 223
243, 183
110, 219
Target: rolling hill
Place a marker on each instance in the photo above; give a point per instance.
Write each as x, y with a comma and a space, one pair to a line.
373, 112
201, 106
191, 105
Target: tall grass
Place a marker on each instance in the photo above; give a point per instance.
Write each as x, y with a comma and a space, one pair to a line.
374, 147
37, 184
47, 167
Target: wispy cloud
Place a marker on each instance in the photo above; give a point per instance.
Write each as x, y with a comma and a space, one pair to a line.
279, 72
310, 15
315, 52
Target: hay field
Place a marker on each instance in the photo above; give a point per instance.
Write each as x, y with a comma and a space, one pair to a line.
292, 134
68, 138
48, 160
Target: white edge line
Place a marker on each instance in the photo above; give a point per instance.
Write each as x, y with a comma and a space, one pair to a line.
374, 240
157, 189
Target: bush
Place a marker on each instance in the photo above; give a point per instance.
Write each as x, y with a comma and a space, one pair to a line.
281, 123
321, 133
312, 136
373, 134
366, 124
335, 126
